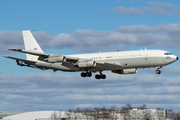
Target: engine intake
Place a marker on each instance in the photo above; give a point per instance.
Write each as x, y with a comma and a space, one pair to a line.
87, 64
125, 71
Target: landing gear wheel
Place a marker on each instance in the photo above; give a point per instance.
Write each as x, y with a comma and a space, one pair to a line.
97, 77
158, 72
83, 74
103, 76
88, 74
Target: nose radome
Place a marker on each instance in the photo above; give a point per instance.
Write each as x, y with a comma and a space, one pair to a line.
177, 58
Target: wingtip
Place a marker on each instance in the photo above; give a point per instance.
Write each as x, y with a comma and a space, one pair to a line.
6, 56
15, 49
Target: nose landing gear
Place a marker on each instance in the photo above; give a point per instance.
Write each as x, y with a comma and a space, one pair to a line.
158, 71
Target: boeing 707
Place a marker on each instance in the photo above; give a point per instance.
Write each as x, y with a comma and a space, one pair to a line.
120, 62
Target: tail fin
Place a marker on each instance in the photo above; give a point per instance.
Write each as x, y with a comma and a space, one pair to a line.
31, 44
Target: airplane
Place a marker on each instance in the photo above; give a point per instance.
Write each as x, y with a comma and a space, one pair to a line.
120, 62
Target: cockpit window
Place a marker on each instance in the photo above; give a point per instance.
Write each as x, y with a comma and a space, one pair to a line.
167, 53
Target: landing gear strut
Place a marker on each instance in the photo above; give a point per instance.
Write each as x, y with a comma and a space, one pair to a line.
101, 76
87, 74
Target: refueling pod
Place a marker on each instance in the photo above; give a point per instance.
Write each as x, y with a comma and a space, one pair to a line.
125, 71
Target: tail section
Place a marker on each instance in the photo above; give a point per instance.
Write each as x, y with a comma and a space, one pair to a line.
31, 44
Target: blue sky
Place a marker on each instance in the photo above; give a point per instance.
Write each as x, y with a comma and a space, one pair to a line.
71, 27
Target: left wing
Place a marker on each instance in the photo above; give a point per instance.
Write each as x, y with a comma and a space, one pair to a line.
23, 60
28, 63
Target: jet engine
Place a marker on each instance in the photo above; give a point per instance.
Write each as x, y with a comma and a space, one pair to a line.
55, 59
87, 64
125, 71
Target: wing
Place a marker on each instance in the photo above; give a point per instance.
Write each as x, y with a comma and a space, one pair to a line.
30, 52
28, 63
23, 60
42, 55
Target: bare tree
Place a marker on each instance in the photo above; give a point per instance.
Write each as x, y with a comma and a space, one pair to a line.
78, 110
97, 111
160, 114
112, 112
177, 116
143, 106
54, 116
104, 113
125, 111
170, 114
147, 115
135, 115
70, 114
87, 112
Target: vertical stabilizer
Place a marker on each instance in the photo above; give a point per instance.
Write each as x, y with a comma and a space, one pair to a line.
31, 44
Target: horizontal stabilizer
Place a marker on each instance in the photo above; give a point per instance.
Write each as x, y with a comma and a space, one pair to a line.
30, 52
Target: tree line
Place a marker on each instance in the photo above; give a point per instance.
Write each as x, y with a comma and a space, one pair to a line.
113, 113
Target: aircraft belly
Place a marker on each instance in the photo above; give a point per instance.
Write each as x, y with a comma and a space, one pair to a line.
56, 66
141, 62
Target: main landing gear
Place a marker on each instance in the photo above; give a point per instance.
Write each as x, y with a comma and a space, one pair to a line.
101, 76
158, 71
89, 74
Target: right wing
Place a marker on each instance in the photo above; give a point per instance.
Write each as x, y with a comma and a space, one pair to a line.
43, 55
110, 65
30, 52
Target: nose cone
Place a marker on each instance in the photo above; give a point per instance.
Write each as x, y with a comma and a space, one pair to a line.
177, 58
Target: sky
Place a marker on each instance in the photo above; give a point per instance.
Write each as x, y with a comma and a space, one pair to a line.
75, 27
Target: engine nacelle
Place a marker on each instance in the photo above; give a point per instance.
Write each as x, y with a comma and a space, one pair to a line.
55, 59
125, 71
87, 64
